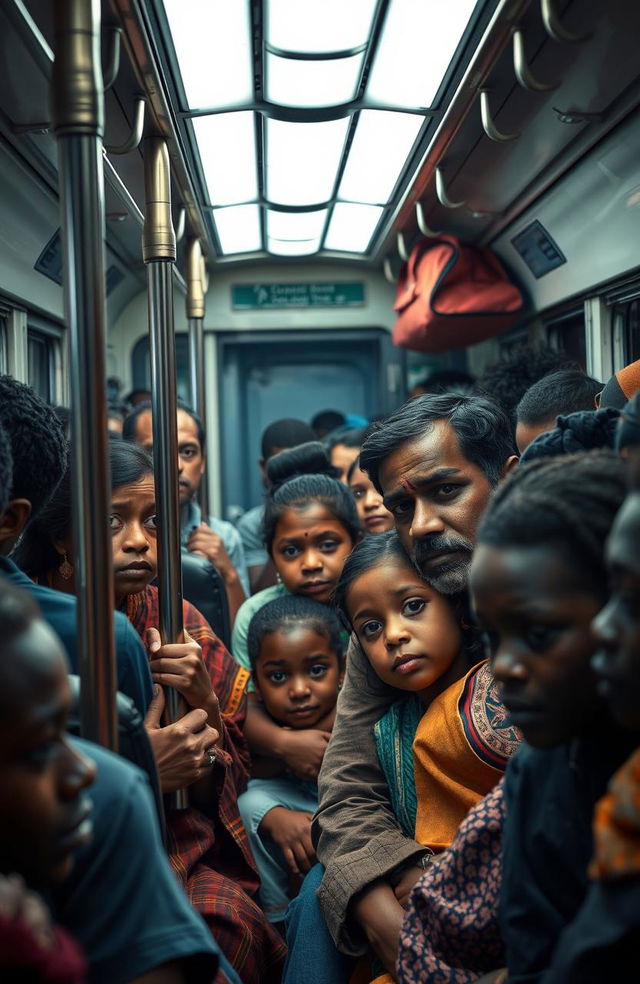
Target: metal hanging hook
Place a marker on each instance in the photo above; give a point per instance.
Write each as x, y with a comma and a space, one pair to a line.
554, 26
402, 247
134, 138
523, 73
112, 67
489, 126
441, 192
181, 223
422, 223
388, 272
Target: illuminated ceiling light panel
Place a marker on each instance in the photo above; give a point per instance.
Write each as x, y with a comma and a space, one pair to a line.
238, 228
310, 26
295, 233
352, 226
227, 145
418, 41
383, 139
295, 225
295, 247
213, 44
292, 82
302, 160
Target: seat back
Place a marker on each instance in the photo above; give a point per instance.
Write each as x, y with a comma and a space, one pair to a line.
203, 586
133, 741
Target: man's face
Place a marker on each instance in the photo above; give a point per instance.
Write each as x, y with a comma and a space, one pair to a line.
436, 497
190, 456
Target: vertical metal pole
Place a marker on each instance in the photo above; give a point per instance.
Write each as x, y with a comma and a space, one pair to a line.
159, 254
195, 316
78, 122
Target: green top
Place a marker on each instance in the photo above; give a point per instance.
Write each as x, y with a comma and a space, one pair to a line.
246, 612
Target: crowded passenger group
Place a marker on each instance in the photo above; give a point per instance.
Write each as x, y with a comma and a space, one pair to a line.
410, 750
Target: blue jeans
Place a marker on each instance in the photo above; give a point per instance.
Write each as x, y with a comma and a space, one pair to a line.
312, 953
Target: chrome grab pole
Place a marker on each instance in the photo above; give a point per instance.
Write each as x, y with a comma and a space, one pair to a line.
78, 122
195, 303
159, 255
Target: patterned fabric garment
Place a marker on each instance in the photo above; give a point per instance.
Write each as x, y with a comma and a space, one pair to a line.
451, 933
617, 825
210, 851
462, 747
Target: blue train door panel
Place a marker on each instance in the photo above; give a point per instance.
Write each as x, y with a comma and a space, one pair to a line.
269, 375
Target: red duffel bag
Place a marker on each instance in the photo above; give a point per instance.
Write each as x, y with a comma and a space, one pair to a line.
450, 296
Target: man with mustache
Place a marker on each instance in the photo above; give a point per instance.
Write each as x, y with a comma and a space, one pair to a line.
436, 460
218, 541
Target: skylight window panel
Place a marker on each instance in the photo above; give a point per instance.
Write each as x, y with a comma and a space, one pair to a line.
227, 145
418, 41
352, 226
213, 44
296, 247
293, 82
296, 225
238, 228
302, 160
310, 26
380, 147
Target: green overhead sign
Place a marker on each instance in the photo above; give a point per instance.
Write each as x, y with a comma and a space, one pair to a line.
251, 296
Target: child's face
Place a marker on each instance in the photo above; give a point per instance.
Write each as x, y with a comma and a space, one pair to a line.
408, 632
44, 816
309, 549
537, 615
133, 536
373, 516
617, 627
297, 676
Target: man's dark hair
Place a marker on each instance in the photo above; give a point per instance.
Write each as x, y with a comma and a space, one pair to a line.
507, 380
562, 392
482, 428
130, 425
286, 433
287, 613
6, 469
326, 421
38, 446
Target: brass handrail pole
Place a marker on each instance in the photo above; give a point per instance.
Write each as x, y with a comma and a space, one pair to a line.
195, 304
78, 123
159, 255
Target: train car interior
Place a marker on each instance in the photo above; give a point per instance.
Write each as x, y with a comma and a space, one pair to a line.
307, 175
406, 758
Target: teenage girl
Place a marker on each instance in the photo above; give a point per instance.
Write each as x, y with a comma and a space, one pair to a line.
296, 655
445, 744
310, 527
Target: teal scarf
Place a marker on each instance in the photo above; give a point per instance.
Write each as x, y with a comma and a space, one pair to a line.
394, 734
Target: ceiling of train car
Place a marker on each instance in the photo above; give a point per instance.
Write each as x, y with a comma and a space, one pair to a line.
306, 120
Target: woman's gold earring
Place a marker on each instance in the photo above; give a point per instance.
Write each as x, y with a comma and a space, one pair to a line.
65, 569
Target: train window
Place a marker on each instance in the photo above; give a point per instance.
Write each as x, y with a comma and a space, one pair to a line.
141, 369
41, 364
626, 320
4, 344
568, 334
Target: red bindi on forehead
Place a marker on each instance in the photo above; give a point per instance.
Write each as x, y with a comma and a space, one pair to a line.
407, 485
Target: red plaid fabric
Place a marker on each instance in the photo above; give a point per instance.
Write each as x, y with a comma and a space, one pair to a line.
209, 851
